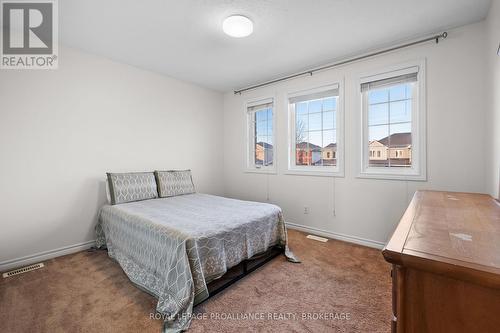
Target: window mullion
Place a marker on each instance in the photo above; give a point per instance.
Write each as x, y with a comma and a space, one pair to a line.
253, 132
389, 121
322, 127
306, 138
403, 131
254, 147
309, 152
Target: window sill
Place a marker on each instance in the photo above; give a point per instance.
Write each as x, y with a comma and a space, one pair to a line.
392, 176
264, 171
316, 173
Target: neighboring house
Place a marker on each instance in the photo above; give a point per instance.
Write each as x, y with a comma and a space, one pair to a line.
263, 153
394, 149
329, 154
311, 154
378, 151
307, 153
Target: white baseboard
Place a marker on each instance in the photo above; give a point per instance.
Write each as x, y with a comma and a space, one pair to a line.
37, 257
335, 235
41, 256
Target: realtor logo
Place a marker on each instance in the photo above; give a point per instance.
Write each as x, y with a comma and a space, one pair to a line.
29, 34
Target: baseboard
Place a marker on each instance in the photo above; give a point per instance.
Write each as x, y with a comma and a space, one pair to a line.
41, 256
335, 235
37, 257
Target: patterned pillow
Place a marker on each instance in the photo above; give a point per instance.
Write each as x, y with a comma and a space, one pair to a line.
133, 186
174, 182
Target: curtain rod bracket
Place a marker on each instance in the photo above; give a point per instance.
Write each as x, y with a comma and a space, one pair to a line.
443, 35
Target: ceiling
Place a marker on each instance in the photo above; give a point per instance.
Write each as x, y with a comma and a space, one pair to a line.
184, 38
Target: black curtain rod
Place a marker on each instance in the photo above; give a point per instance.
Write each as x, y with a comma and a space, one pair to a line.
311, 71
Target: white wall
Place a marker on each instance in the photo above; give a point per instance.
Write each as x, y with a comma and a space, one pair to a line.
61, 130
493, 33
365, 208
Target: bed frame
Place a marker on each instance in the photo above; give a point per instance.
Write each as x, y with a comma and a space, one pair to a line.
241, 270
235, 273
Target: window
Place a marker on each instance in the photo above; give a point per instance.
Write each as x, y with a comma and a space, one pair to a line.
393, 119
260, 135
314, 131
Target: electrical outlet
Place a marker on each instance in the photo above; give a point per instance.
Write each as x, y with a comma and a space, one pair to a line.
306, 210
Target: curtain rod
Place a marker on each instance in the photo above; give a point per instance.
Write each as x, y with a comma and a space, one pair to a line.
312, 71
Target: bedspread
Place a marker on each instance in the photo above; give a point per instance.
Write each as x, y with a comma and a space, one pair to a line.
172, 247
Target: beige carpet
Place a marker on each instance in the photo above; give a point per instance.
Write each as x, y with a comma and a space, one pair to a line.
88, 292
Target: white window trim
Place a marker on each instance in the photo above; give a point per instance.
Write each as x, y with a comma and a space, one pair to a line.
250, 167
338, 170
418, 170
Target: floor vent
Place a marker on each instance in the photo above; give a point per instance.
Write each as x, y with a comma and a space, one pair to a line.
317, 238
23, 270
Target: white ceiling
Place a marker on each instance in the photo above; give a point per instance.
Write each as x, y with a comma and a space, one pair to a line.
184, 39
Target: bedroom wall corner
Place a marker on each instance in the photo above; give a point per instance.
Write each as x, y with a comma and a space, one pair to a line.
61, 130
493, 116
368, 210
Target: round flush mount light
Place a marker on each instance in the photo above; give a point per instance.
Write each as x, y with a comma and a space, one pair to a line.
237, 26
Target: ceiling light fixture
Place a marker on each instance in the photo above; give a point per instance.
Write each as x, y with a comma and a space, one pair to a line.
237, 26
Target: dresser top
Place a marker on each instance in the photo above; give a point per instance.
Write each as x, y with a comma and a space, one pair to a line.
460, 230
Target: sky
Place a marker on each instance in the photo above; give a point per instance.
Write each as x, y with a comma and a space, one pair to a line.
389, 111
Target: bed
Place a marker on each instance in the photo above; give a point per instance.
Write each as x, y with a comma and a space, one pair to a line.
174, 247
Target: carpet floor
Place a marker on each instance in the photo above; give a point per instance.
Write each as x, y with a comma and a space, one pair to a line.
338, 287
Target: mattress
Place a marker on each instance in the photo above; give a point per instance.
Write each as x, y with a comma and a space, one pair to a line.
172, 247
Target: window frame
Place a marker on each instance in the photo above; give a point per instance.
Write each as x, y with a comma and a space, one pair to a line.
327, 171
418, 170
250, 165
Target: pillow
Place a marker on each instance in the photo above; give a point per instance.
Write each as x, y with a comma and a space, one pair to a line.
174, 182
108, 195
132, 186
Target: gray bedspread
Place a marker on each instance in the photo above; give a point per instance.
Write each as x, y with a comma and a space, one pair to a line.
172, 247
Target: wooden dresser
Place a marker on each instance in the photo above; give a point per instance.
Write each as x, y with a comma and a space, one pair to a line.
445, 256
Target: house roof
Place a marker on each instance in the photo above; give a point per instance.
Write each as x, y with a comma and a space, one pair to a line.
265, 145
375, 143
397, 140
312, 146
303, 145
